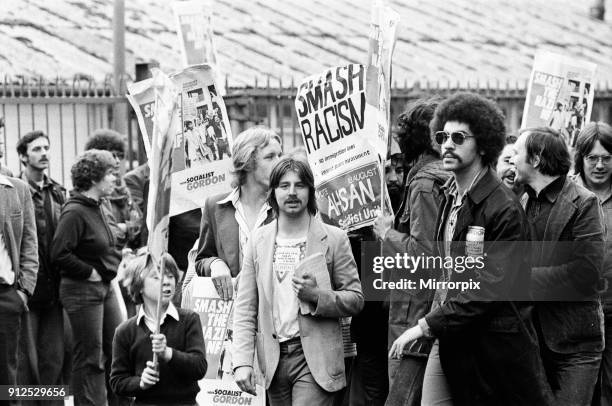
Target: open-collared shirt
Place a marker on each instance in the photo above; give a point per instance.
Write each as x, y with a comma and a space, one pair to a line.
150, 322
243, 226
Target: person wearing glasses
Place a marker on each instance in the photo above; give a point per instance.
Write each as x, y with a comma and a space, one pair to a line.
485, 350
568, 233
593, 166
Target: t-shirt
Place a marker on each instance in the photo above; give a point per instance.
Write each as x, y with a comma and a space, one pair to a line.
287, 254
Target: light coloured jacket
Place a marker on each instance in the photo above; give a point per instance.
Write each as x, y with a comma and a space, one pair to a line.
320, 332
19, 231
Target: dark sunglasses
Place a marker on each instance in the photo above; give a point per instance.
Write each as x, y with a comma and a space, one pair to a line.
458, 137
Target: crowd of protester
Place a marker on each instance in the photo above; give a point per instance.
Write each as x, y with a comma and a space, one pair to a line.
79, 289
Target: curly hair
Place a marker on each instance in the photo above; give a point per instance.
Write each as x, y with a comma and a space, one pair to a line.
413, 134
303, 171
22, 144
547, 144
483, 116
592, 132
244, 151
107, 140
91, 167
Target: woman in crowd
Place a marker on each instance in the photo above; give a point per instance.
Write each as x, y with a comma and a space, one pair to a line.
84, 250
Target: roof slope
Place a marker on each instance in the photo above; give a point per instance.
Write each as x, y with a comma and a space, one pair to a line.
438, 40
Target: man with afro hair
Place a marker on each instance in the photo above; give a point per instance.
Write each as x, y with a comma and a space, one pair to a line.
485, 351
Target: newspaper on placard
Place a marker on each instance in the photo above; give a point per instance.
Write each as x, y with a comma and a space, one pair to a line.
218, 386
383, 27
201, 156
336, 122
164, 126
227, 393
215, 315
194, 28
560, 94
195, 31
142, 98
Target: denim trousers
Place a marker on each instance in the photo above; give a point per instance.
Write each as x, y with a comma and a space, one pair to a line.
293, 384
406, 380
45, 349
603, 390
94, 315
572, 377
436, 391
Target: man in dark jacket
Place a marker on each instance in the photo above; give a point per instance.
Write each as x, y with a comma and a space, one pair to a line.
44, 339
412, 234
485, 351
567, 222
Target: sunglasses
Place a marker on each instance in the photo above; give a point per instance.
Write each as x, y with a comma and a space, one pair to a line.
458, 137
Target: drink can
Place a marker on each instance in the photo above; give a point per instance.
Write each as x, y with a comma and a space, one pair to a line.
474, 241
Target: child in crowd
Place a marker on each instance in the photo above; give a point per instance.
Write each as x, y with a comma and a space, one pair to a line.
179, 344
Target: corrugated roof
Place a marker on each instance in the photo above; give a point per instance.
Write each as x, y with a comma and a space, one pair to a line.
438, 40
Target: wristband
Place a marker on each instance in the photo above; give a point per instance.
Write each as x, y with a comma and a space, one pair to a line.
24, 291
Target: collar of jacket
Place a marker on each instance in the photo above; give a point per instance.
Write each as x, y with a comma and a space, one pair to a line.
4, 180
487, 183
47, 181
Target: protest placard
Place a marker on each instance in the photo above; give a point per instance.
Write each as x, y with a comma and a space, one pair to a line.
383, 27
201, 156
215, 315
226, 393
336, 124
165, 124
560, 94
142, 98
194, 29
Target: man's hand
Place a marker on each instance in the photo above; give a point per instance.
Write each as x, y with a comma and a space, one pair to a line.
23, 297
158, 344
245, 379
222, 279
397, 349
382, 225
95, 276
306, 288
149, 377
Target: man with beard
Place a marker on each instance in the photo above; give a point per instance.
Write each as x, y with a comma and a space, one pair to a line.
593, 166
45, 338
567, 226
394, 175
505, 170
3, 170
412, 234
484, 352
290, 316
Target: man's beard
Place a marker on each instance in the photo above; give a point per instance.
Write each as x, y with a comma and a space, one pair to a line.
395, 195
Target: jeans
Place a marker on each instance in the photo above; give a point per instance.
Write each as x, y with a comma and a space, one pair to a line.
293, 384
572, 377
436, 391
603, 390
94, 315
11, 309
406, 380
43, 353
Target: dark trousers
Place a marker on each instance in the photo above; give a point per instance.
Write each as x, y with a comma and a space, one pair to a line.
94, 315
603, 390
293, 384
369, 379
406, 381
45, 353
11, 309
572, 376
